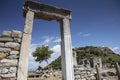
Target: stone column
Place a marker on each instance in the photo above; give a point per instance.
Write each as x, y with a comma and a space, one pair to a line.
74, 57
66, 51
25, 47
98, 73
117, 70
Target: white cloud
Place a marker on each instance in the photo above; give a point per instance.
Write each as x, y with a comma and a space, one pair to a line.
47, 39
56, 48
84, 34
57, 40
50, 39
115, 49
80, 33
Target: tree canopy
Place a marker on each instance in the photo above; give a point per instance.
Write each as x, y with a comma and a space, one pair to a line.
42, 53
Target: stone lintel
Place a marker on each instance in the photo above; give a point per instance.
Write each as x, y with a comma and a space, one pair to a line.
46, 12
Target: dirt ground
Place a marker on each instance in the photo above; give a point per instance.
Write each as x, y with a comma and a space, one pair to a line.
53, 78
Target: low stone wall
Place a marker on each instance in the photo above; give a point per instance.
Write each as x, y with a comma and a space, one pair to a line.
10, 42
44, 74
83, 73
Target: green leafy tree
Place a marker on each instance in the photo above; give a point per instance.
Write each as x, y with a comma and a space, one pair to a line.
42, 53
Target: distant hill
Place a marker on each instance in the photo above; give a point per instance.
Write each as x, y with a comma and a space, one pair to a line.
106, 54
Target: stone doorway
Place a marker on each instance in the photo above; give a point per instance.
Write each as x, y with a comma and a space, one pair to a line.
33, 10
45, 33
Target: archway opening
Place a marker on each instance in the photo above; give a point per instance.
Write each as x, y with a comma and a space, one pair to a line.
45, 33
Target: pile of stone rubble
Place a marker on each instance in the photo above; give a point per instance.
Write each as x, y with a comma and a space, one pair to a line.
10, 42
44, 74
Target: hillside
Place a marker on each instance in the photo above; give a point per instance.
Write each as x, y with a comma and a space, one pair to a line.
106, 54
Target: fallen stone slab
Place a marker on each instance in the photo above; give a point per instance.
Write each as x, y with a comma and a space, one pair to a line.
6, 34
16, 34
6, 39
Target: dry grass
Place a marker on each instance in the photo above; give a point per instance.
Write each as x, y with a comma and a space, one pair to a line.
53, 78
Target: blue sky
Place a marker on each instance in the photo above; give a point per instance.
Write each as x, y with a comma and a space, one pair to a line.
94, 22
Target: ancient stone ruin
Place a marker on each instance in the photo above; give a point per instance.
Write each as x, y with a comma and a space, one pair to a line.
93, 69
91, 63
46, 12
15, 46
95, 61
10, 42
83, 70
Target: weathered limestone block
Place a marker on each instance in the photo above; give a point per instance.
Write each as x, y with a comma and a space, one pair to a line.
78, 66
12, 45
8, 75
56, 74
77, 73
2, 44
13, 57
8, 62
3, 70
5, 50
24, 55
2, 55
14, 52
16, 34
77, 76
17, 40
45, 75
13, 69
8, 70
6, 39
92, 78
29, 22
6, 34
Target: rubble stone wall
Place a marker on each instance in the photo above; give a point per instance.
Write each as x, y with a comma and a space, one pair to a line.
45, 74
10, 42
83, 73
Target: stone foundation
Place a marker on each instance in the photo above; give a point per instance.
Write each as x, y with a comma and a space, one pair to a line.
10, 42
